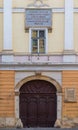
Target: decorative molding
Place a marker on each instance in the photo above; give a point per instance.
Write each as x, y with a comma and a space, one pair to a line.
40, 77
69, 52
18, 10
22, 10
38, 73
58, 10
54, 10
7, 58
43, 67
38, 3
69, 58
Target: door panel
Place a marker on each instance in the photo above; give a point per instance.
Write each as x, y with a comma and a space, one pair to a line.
32, 111
38, 104
51, 108
42, 111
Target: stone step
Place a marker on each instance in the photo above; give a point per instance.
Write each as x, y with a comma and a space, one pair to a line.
38, 128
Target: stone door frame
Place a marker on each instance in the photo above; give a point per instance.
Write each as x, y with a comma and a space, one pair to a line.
39, 77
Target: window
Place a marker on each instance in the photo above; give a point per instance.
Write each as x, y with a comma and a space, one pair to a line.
38, 41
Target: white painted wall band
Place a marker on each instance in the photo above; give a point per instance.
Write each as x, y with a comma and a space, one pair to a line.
68, 25
7, 25
55, 10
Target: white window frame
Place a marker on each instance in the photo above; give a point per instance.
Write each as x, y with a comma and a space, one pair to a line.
46, 40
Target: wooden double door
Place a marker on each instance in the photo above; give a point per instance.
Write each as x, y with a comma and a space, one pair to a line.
38, 104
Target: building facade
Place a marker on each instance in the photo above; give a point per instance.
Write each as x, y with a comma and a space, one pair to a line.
38, 63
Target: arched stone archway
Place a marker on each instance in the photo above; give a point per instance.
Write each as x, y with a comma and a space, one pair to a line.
39, 77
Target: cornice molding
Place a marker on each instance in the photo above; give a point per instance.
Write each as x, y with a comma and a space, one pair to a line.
22, 10
55, 10
30, 67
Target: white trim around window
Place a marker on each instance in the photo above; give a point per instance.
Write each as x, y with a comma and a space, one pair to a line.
46, 40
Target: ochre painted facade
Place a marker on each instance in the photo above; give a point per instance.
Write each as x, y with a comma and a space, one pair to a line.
7, 105
70, 80
7, 93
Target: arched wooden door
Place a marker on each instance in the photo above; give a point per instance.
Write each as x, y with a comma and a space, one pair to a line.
38, 107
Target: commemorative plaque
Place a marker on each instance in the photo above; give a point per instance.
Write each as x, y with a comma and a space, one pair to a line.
70, 94
38, 18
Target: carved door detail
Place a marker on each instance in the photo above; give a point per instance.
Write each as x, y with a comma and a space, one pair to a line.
38, 104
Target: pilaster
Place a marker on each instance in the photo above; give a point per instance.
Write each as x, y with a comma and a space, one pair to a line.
69, 55
7, 32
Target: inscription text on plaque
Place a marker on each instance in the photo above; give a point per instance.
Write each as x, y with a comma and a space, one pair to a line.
38, 18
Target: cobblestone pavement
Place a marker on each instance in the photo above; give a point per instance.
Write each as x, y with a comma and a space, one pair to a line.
38, 128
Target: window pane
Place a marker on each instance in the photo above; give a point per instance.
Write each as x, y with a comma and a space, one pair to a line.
34, 46
41, 46
41, 33
38, 41
34, 33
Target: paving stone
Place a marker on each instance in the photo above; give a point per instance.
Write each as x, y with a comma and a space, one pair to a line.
38, 128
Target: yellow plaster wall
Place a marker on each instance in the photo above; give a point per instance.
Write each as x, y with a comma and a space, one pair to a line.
1, 31
20, 38
56, 38
70, 80
51, 3
76, 32
76, 3
7, 95
55, 3
1, 3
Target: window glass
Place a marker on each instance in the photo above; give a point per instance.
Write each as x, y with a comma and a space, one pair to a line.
41, 46
41, 33
34, 46
34, 34
38, 41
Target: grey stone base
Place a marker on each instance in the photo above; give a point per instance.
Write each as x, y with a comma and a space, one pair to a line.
66, 123
16, 123
69, 123
10, 123
7, 122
